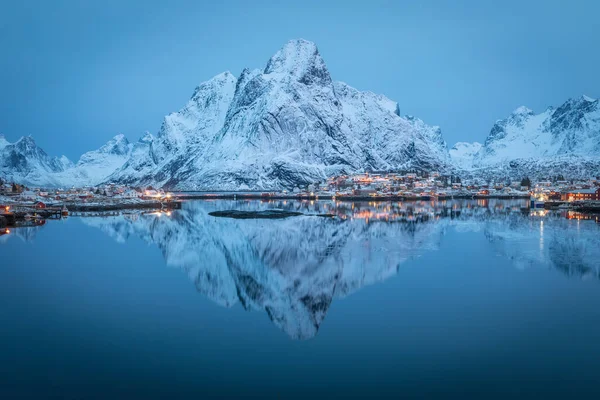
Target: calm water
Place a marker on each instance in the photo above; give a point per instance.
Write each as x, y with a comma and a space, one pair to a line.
390, 299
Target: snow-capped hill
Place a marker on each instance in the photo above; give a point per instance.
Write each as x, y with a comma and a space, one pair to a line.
463, 154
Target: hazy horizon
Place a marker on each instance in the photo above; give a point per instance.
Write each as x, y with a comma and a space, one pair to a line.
78, 74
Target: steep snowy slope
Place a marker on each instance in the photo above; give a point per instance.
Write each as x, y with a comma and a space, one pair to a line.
183, 134
463, 154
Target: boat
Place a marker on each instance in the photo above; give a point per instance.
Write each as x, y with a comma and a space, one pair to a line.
64, 211
536, 203
28, 216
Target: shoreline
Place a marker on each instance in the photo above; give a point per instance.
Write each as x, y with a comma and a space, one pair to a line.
261, 196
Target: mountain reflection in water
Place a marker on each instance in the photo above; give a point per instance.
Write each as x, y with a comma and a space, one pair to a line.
293, 268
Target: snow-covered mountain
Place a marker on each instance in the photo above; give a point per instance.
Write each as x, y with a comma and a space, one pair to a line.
23, 161
285, 125
559, 141
26, 163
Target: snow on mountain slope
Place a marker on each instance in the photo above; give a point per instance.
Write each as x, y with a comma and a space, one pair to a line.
463, 154
95, 166
558, 141
286, 125
183, 135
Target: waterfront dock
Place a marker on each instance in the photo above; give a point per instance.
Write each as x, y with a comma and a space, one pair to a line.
19, 213
328, 196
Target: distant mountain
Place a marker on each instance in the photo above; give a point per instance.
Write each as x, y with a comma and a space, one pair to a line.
559, 141
26, 163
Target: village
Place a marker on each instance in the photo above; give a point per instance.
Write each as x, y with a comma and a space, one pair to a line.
368, 186
20, 202
23, 206
433, 186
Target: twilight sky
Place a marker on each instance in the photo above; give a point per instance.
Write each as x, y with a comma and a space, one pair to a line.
75, 73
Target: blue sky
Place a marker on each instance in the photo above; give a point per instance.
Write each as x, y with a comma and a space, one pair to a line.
75, 73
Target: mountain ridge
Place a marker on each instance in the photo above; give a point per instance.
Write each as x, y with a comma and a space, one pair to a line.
290, 124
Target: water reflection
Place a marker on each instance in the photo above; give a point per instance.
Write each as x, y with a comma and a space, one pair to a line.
294, 268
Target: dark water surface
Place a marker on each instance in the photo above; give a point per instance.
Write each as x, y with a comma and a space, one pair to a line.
413, 299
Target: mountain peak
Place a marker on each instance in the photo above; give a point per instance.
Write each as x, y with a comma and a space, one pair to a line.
301, 59
587, 98
118, 145
147, 137
522, 111
26, 139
